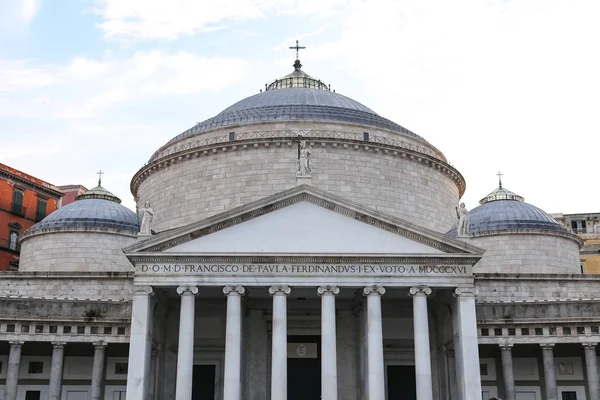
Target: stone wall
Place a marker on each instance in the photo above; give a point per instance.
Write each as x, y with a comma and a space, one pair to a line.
527, 253
196, 188
535, 287
76, 286
75, 251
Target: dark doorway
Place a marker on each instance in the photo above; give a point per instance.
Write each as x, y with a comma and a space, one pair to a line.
401, 383
203, 386
304, 368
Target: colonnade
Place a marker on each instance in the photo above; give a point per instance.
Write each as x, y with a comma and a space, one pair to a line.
591, 362
467, 356
56, 371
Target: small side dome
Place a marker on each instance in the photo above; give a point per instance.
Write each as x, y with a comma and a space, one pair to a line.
96, 208
504, 210
84, 236
519, 237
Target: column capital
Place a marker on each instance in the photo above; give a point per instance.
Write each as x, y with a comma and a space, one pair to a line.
420, 290
100, 345
375, 290
506, 346
16, 343
589, 345
546, 346
465, 292
58, 344
234, 290
187, 290
328, 290
280, 290
141, 290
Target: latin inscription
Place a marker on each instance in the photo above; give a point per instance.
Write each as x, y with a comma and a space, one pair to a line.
302, 269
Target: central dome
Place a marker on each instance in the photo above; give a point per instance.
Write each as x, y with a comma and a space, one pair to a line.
294, 104
295, 97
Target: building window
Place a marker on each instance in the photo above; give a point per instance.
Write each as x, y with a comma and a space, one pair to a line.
497, 331
485, 332
33, 395
107, 330
566, 330
94, 330
17, 204
483, 368
39, 329
41, 210
81, 330
13, 239
36, 367
366, 136
539, 331
10, 328
580, 330
66, 329
121, 330
24, 328
121, 368
53, 329
231, 136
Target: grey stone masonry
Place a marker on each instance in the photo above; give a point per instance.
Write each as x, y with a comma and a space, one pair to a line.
75, 251
65, 285
516, 253
536, 287
405, 186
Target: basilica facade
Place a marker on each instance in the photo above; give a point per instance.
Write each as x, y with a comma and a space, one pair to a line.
299, 246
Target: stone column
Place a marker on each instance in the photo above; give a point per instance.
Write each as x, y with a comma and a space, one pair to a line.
139, 344
233, 343
549, 373
185, 348
279, 342
12, 371
591, 363
98, 371
153, 375
507, 371
329, 376
422, 351
375, 366
56, 370
467, 350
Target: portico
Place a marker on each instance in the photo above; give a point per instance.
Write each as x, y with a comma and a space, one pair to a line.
371, 287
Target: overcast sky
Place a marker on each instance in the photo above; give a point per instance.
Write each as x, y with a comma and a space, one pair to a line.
495, 85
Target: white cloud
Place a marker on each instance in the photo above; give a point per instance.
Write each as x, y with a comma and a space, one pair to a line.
495, 85
84, 88
169, 19
29, 9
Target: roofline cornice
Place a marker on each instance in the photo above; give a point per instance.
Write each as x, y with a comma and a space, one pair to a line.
73, 229
530, 231
411, 152
32, 185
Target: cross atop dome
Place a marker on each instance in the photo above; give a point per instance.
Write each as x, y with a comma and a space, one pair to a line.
297, 47
501, 193
298, 78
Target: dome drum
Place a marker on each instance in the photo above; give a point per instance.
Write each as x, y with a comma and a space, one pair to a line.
203, 183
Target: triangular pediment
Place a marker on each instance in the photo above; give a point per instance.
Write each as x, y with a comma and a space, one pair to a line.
304, 227
302, 220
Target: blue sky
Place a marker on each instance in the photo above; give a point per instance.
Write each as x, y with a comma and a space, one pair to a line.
509, 85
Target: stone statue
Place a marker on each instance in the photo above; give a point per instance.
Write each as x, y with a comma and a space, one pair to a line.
304, 159
146, 214
463, 220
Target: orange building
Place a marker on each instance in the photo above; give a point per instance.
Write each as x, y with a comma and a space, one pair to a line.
70, 193
24, 200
